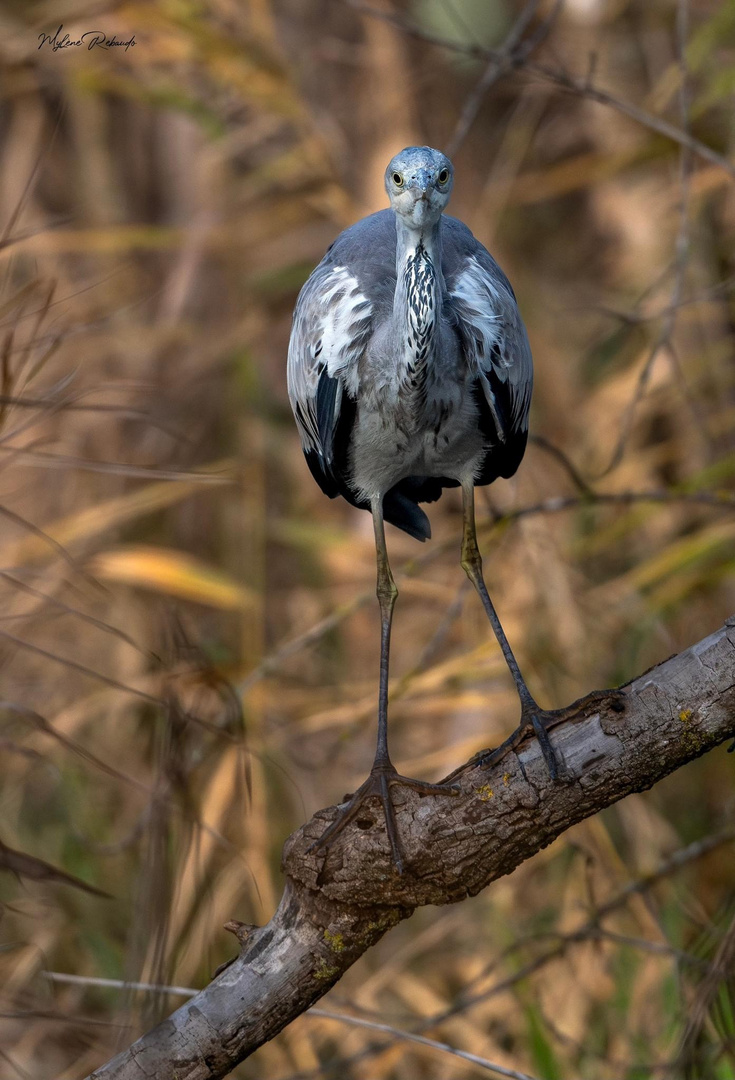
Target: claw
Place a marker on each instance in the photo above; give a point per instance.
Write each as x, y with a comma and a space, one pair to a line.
545, 743
378, 785
537, 721
558, 771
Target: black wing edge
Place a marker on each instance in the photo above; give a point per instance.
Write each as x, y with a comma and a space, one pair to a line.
330, 467
508, 445
328, 464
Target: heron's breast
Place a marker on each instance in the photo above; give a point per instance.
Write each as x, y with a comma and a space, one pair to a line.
393, 442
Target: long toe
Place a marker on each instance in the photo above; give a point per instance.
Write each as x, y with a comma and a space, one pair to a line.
347, 813
550, 755
379, 784
423, 788
534, 721
394, 779
539, 721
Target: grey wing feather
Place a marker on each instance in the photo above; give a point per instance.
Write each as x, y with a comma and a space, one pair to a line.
331, 327
492, 331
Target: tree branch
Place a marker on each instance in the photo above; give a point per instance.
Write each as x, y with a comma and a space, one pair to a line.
336, 905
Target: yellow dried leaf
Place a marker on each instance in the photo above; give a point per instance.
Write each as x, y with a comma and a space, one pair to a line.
104, 516
169, 571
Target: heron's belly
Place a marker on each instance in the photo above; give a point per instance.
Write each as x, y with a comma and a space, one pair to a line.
386, 450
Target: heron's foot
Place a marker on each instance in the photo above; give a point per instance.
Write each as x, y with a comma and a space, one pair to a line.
538, 721
534, 721
378, 785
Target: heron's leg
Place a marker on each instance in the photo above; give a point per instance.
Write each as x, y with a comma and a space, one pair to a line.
532, 717
383, 775
387, 592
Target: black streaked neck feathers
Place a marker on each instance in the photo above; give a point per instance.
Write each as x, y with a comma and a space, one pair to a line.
417, 302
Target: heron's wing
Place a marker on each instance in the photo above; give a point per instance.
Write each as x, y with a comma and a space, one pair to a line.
331, 328
495, 343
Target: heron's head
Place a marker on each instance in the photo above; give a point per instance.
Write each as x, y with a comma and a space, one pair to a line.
419, 183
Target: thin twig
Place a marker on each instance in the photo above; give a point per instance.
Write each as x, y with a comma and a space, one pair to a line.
571, 469
664, 338
67, 609
39, 459
407, 1036
324, 1014
118, 984
512, 52
721, 971
81, 668
555, 504
562, 79
696, 850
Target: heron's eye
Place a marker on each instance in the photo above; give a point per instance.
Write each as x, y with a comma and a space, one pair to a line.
397, 179
443, 176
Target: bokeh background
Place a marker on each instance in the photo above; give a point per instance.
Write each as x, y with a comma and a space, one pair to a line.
188, 630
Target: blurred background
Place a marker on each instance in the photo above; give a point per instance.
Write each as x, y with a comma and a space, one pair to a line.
188, 629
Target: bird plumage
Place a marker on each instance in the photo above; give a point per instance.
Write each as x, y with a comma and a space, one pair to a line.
476, 379
409, 371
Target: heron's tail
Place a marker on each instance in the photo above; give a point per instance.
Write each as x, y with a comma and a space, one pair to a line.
400, 504
401, 510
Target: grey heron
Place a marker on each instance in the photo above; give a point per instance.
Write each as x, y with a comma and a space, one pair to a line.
409, 371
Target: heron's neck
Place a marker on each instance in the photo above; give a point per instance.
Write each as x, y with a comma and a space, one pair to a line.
409, 241
417, 300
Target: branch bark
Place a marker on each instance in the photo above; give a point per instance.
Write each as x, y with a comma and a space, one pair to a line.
336, 905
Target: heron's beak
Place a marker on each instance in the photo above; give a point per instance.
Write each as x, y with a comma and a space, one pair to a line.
421, 182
